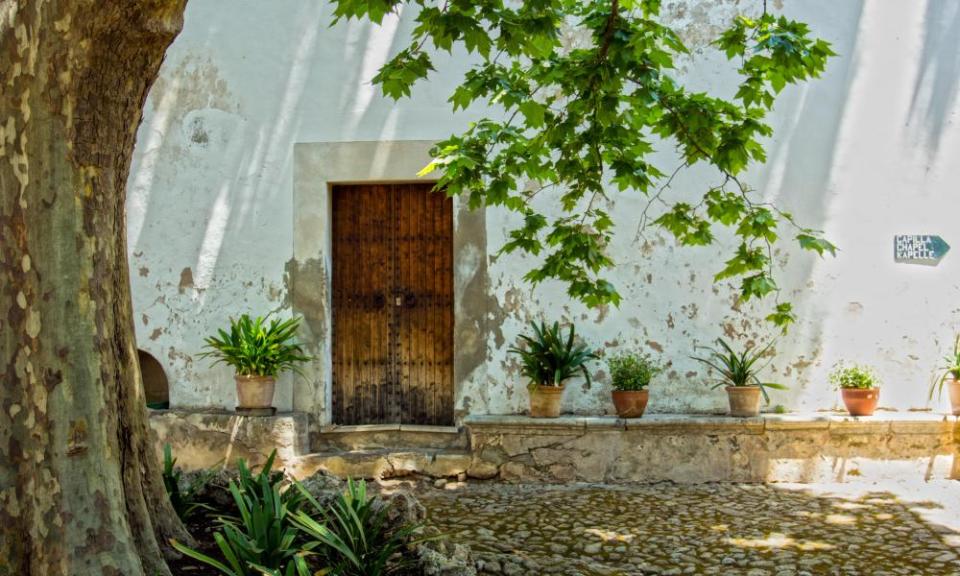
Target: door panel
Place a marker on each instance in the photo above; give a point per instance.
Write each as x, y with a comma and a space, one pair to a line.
392, 305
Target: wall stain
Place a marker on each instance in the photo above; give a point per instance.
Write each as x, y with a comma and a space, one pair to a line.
307, 292
186, 280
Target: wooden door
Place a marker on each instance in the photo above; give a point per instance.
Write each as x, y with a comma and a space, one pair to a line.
392, 305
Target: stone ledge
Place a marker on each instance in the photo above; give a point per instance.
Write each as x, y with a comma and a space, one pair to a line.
712, 448
204, 439
680, 448
903, 422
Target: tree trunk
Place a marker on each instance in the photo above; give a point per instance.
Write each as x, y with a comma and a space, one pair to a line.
80, 486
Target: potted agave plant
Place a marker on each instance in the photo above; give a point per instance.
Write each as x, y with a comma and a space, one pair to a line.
738, 375
258, 351
859, 387
630, 374
949, 375
548, 359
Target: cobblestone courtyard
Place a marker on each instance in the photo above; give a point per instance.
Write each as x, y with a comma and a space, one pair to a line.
754, 530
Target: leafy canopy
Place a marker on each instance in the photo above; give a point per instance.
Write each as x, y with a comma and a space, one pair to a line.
579, 122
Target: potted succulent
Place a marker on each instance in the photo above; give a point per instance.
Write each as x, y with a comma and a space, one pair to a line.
859, 387
258, 351
949, 375
630, 374
738, 375
548, 359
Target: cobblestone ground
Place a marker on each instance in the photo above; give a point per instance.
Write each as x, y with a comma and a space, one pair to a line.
723, 529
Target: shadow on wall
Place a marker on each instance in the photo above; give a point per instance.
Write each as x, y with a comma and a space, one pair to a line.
214, 160
935, 89
798, 177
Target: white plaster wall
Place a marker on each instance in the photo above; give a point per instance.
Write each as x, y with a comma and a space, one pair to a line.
864, 153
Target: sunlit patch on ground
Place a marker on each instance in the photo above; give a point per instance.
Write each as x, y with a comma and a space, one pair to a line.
664, 529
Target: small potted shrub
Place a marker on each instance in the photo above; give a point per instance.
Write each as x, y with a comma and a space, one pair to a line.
630, 374
859, 387
738, 375
548, 359
949, 375
258, 351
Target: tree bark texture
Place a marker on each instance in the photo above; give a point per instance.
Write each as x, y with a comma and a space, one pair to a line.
80, 486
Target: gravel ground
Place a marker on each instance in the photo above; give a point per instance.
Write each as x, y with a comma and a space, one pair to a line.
728, 529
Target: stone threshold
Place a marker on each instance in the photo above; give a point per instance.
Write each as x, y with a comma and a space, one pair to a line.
351, 429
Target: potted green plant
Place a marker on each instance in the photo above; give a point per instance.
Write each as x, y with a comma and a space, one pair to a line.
258, 351
949, 375
548, 359
630, 374
738, 375
859, 387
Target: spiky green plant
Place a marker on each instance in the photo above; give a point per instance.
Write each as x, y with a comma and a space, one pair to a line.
184, 501
261, 539
548, 358
738, 368
254, 347
948, 371
355, 538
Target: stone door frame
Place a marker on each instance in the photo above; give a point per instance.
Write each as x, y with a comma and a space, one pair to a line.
317, 167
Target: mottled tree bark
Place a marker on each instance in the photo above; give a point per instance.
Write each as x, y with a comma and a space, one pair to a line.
80, 487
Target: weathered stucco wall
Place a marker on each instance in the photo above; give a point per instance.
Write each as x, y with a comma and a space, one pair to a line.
864, 153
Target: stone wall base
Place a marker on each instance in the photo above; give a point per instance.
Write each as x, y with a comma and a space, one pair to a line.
678, 448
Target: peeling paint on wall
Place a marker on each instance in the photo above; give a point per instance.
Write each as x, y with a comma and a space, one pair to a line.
211, 205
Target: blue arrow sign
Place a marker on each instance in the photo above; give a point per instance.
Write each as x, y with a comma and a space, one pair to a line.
919, 249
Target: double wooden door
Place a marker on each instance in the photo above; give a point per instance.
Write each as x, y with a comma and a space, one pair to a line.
392, 305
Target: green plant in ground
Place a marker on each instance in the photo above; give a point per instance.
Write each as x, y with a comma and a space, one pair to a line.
254, 347
950, 370
262, 540
184, 501
738, 368
632, 371
854, 376
549, 358
356, 538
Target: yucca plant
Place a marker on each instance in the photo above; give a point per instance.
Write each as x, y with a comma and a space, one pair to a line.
949, 370
738, 368
262, 540
184, 501
250, 483
256, 347
355, 538
548, 358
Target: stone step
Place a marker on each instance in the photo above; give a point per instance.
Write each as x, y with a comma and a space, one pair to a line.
387, 463
397, 437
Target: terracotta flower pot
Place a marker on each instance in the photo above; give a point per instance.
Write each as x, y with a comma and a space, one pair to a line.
545, 401
953, 385
744, 400
254, 391
630, 403
860, 401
